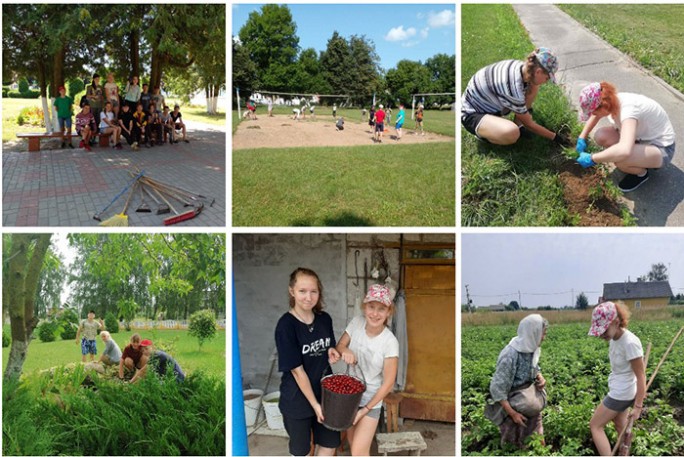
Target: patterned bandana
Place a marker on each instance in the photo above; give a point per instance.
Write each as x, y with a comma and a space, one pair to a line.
601, 318
590, 100
548, 61
378, 293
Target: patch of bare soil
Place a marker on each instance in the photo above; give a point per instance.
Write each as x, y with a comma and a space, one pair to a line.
284, 132
585, 194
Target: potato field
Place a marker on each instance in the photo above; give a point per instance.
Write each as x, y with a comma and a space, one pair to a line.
576, 368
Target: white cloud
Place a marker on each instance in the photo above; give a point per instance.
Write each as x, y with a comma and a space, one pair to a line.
424, 32
442, 19
399, 34
409, 44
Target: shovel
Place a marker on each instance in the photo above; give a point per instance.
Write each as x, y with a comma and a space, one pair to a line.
162, 208
143, 208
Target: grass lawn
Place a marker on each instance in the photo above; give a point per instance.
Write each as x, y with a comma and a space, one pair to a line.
651, 34
513, 185
12, 106
442, 122
397, 185
212, 358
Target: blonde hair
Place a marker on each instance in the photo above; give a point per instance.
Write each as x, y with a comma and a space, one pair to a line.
105, 333
623, 313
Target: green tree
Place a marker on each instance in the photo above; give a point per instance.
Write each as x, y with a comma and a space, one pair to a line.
111, 323
51, 283
582, 301
442, 69
309, 76
202, 326
407, 79
25, 262
658, 272
127, 310
336, 64
270, 37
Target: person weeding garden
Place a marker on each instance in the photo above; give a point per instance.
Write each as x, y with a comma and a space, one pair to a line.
505, 87
368, 342
518, 383
641, 135
112, 352
339, 125
305, 341
65, 108
85, 126
132, 358
627, 380
160, 361
87, 336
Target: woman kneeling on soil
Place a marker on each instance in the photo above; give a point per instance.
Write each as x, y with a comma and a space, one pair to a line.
517, 368
505, 87
641, 135
368, 342
627, 380
306, 345
159, 361
132, 358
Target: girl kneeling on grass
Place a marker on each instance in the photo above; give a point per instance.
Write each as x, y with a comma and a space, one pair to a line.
505, 87
641, 135
368, 342
627, 380
306, 345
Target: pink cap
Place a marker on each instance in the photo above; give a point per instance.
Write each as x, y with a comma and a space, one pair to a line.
378, 293
603, 315
590, 100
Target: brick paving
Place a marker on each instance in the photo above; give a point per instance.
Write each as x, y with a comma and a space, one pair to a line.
66, 187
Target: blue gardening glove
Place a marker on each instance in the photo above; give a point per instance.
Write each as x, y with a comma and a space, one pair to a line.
581, 145
584, 159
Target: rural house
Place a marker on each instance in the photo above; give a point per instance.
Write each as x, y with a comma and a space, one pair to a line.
639, 295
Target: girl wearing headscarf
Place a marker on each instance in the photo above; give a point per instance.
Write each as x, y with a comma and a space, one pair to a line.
518, 365
627, 380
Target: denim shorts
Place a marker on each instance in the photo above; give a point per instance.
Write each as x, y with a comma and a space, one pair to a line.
88, 346
64, 121
617, 405
668, 153
373, 413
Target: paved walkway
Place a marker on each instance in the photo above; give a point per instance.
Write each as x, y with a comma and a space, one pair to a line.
585, 58
66, 187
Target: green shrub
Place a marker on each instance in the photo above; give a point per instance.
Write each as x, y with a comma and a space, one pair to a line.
202, 326
47, 331
28, 94
31, 115
68, 331
5, 91
68, 412
6, 340
678, 313
75, 86
23, 86
111, 323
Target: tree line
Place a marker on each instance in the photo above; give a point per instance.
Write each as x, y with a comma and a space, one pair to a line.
52, 43
267, 57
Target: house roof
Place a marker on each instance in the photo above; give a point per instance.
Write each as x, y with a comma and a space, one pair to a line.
636, 290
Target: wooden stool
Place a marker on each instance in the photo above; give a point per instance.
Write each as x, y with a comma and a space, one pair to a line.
392, 409
402, 441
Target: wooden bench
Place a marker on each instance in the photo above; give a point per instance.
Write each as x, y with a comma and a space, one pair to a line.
400, 442
34, 138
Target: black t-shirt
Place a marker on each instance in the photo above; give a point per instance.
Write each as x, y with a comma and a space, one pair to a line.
298, 346
145, 99
160, 360
126, 117
176, 116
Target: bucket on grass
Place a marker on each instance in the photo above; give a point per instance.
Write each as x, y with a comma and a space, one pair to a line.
341, 396
273, 416
252, 398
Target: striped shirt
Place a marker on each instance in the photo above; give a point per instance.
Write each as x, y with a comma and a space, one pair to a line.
496, 89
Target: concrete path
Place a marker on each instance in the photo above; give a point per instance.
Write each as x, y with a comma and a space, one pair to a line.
585, 58
66, 187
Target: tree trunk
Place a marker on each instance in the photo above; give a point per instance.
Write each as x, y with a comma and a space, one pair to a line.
57, 81
134, 52
23, 284
157, 64
42, 82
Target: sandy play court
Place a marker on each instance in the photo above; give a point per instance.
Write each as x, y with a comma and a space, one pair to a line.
283, 132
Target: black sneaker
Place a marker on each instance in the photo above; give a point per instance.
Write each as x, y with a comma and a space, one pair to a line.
524, 133
632, 182
63, 145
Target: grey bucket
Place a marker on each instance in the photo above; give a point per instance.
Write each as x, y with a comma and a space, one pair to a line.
339, 410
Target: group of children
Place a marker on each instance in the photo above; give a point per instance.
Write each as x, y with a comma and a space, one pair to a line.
640, 135
307, 346
376, 121
135, 359
137, 115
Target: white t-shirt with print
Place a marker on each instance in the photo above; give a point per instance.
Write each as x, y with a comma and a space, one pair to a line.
371, 353
653, 124
622, 380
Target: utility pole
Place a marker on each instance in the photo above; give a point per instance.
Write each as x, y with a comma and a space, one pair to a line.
572, 298
468, 300
519, 300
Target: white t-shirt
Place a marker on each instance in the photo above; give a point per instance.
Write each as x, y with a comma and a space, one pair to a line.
622, 380
112, 91
109, 115
653, 124
371, 353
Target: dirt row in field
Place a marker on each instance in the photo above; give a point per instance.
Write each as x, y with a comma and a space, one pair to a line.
284, 132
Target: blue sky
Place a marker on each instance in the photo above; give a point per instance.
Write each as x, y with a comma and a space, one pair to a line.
545, 268
414, 32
